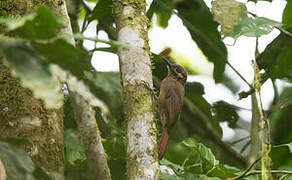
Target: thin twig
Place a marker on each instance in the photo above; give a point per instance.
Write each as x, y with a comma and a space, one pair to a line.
247, 170
238, 73
239, 140
271, 171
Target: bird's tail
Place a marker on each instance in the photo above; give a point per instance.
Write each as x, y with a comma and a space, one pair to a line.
163, 143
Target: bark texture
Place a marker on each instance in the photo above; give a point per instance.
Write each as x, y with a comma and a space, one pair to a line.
135, 68
23, 116
90, 136
255, 142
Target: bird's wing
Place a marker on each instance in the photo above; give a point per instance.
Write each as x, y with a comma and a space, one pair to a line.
173, 104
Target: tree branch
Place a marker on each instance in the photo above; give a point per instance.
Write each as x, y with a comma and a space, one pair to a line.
90, 136
135, 69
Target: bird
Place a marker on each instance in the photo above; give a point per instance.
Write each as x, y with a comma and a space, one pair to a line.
170, 101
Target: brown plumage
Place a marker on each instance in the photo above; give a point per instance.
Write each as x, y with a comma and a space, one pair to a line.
170, 101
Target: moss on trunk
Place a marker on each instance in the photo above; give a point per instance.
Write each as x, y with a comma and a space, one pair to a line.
23, 116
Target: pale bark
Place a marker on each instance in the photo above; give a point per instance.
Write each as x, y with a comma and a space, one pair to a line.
90, 136
255, 142
87, 124
135, 68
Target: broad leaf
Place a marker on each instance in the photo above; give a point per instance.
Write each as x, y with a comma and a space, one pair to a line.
68, 57
199, 21
102, 12
33, 71
163, 10
281, 125
196, 105
40, 25
227, 13
275, 60
288, 145
206, 155
287, 14
254, 27
107, 87
225, 112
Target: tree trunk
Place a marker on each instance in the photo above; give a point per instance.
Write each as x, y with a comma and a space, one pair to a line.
23, 116
135, 68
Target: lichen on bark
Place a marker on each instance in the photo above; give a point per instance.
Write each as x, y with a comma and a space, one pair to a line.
135, 68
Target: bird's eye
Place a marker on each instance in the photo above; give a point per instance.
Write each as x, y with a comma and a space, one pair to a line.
178, 70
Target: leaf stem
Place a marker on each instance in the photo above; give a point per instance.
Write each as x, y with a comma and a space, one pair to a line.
247, 170
238, 74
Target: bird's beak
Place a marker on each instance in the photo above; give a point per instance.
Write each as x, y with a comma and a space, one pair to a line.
167, 62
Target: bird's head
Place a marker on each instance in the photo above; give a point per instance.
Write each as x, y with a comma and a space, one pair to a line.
177, 71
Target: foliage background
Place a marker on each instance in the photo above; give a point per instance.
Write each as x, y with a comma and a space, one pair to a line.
196, 148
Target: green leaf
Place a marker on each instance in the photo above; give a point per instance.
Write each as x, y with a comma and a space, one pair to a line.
32, 70
254, 27
287, 14
172, 165
227, 13
260, 0
206, 155
40, 25
18, 164
204, 33
285, 98
102, 12
288, 145
74, 147
198, 110
203, 177
111, 146
107, 87
225, 112
162, 12
281, 125
14, 23
275, 60
225, 171
68, 57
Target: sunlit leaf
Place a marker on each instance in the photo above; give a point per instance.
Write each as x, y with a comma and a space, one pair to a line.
206, 155
254, 27
40, 25
16, 22
33, 71
68, 57
227, 13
